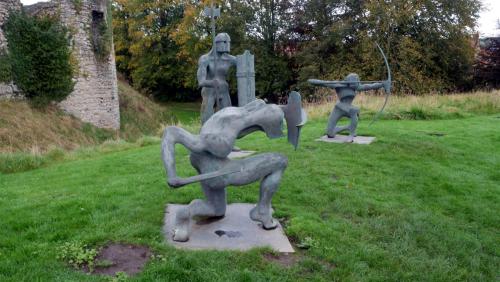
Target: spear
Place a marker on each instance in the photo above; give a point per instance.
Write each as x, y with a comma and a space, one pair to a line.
213, 12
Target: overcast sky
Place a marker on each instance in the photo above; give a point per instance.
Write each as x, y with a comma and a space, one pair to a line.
487, 25
488, 21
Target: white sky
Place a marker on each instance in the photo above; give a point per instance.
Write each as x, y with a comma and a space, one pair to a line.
489, 17
29, 2
487, 24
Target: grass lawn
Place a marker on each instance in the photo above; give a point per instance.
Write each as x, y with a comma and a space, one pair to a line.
185, 112
413, 206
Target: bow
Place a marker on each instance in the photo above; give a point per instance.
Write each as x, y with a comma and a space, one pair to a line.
387, 85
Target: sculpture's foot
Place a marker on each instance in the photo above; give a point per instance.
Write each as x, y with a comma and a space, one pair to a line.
181, 234
268, 222
182, 225
330, 135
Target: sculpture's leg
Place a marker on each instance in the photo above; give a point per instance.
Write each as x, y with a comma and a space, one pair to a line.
215, 193
269, 167
353, 126
331, 130
263, 212
207, 104
225, 99
216, 199
341, 128
214, 206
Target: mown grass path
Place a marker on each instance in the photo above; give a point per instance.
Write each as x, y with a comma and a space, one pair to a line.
413, 206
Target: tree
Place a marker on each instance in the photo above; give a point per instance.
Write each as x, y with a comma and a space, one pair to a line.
259, 26
145, 50
427, 41
487, 64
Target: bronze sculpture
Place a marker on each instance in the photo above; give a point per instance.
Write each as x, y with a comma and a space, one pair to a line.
209, 156
346, 92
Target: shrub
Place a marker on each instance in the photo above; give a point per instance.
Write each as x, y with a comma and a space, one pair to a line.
40, 57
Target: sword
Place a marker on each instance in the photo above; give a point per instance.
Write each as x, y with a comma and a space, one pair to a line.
178, 182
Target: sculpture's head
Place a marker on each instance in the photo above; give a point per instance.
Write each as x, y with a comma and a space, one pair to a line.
223, 43
353, 79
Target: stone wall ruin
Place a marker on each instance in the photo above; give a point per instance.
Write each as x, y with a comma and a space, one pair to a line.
95, 95
7, 89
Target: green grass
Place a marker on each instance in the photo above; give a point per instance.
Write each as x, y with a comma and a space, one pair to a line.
26, 131
410, 207
185, 112
19, 161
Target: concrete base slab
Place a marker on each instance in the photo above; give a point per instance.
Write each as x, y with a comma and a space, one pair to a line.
240, 154
235, 231
365, 140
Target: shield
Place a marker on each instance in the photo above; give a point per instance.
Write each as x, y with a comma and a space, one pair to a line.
245, 74
295, 117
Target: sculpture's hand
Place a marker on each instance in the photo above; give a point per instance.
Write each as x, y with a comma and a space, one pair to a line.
215, 84
175, 182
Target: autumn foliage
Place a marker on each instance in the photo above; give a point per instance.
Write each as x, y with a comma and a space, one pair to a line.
427, 42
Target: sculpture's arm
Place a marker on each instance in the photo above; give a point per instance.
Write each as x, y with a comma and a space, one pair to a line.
202, 73
174, 135
171, 136
325, 83
371, 86
233, 60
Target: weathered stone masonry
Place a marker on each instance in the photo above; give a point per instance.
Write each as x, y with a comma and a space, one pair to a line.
7, 90
95, 95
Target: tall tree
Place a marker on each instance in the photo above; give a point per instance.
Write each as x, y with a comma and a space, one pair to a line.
259, 26
487, 64
427, 41
144, 47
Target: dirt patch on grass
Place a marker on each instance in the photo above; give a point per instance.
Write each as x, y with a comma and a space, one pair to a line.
282, 259
438, 134
126, 258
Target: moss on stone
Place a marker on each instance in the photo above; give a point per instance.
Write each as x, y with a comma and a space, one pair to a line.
74, 63
5, 68
78, 4
101, 34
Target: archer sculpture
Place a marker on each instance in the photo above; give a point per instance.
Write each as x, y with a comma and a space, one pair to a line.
346, 91
209, 156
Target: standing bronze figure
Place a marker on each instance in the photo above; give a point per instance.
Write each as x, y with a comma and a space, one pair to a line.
212, 72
